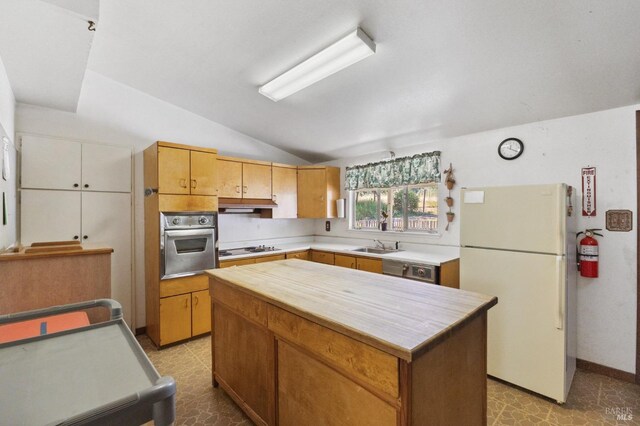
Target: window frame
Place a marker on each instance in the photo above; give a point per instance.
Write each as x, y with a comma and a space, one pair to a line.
405, 211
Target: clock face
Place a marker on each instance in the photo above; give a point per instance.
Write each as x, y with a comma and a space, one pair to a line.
510, 149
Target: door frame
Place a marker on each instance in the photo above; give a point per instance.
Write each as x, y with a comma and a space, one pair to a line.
637, 247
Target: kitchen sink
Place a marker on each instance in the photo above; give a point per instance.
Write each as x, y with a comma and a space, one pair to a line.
375, 250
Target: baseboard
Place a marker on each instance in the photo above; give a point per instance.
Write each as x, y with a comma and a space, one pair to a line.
605, 371
141, 330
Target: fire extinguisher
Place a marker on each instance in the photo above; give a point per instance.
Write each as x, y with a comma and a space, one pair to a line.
588, 253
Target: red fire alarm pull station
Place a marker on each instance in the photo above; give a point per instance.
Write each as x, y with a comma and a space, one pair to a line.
589, 191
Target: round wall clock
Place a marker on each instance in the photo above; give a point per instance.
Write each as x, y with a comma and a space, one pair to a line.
510, 148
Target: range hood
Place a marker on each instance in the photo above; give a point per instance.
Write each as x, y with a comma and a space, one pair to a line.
245, 205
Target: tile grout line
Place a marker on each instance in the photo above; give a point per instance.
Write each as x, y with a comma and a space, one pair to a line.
197, 357
495, 421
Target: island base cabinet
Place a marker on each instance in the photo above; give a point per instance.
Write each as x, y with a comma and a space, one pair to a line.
309, 392
457, 370
244, 366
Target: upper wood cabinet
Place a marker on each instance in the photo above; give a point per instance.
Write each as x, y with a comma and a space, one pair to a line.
318, 190
229, 178
238, 178
49, 163
285, 191
184, 171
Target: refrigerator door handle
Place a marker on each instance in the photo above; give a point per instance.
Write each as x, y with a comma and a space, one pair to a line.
560, 279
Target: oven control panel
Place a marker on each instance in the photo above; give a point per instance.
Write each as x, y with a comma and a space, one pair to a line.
188, 220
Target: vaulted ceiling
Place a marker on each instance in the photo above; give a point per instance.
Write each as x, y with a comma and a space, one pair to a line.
442, 68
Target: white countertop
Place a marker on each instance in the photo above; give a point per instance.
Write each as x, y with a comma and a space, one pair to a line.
433, 255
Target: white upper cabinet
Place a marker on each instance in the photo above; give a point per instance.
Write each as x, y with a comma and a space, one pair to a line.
106, 168
49, 163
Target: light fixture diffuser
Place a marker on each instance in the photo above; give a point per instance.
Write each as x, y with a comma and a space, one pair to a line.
350, 49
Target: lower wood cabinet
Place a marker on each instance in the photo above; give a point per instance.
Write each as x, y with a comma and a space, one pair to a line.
309, 390
283, 369
302, 255
368, 264
323, 257
185, 308
357, 262
237, 262
263, 259
345, 261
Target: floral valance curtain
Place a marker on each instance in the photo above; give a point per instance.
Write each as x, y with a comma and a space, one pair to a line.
419, 168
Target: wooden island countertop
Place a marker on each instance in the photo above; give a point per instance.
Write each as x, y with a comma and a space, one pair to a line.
298, 342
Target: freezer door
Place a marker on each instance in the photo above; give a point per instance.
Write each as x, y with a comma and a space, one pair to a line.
527, 328
528, 218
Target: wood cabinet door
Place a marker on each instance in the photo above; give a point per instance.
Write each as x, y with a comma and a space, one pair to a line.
204, 175
322, 257
302, 255
229, 179
173, 170
49, 215
256, 181
285, 192
200, 312
106, 168
175, 318
310, 392
106, 221
244, 362
312, 193
50, 163
371, 265
345, 261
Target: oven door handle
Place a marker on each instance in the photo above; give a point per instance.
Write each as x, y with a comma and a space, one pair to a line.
189, 233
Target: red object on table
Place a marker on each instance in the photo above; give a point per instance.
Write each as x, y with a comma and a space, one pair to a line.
40, 326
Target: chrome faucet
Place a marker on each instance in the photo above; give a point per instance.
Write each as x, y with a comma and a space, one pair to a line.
379, 244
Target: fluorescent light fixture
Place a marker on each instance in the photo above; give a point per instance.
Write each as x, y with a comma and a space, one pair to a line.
350, 49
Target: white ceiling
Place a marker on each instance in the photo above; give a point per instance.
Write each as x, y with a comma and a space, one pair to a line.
442, 68
45, 47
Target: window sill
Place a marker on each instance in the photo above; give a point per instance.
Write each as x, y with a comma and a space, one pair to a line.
412, 233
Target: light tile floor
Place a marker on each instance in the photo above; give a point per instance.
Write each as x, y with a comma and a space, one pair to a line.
593, 400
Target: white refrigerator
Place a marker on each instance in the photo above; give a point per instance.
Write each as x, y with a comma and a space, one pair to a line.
519, 243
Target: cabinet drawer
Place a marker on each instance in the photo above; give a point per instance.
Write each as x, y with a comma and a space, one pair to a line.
302, 255
322, 257
239, 262
243, 304
262, 259
356, 359
183, 285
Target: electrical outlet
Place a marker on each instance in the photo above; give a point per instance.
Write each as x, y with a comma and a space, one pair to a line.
327, 226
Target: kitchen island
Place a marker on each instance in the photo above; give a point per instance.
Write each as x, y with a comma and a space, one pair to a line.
297, 342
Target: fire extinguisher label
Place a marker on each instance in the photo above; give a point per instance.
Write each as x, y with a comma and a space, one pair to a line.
588, 253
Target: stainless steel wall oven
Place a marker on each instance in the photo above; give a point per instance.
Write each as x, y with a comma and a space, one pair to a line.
188, 243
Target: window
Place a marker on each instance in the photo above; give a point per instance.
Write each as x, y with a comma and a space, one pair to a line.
411, 208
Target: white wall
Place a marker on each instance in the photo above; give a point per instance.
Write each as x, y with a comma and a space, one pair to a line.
112, 113
8, 187
555, 151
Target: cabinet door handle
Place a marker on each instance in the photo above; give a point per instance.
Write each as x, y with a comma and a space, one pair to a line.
186, 303
238, 189
275, 196
196, 297
194, 183
244, 189
86, 185
85, 237
353, 265
183, 183
75, 237
75, 185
